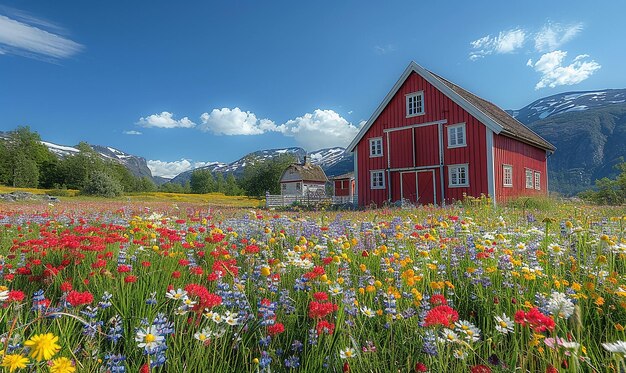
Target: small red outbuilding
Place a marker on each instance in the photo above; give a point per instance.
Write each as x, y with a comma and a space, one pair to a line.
431, 141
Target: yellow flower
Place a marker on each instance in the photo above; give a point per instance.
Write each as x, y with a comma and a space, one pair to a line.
14, 361
43, 346
265, 271
62, 365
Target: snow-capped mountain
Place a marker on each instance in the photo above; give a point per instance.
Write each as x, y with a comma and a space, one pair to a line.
568, 102
329, 159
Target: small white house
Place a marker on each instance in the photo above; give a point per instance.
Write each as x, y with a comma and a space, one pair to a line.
303, 179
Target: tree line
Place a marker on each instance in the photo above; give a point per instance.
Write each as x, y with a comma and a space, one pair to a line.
25, 162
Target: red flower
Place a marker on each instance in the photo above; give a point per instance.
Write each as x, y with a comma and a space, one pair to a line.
319, 310
176, 274
144, 369
146, 264
252, 249
275, 329
420, 367
130, 278
535, 320
438, 300
441, 315
480, 369
205, 298
320, 296
16, 296
346, 367
551, 369
76, 298
66, 286
325, 327
123, 268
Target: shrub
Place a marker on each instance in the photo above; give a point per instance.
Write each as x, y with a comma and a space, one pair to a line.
103, 185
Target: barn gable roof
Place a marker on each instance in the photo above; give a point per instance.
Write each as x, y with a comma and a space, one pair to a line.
307, 172
486, 112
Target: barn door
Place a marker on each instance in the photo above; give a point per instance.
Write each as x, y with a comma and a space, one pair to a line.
426, 187
408, 186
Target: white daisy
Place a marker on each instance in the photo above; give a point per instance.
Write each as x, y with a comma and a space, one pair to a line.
348, 353
560, 305
4, 295
368, 311
149, 338
231, 319
176, 294
503, 324
202, 335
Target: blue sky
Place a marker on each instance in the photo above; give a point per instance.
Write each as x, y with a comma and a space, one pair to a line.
181, 83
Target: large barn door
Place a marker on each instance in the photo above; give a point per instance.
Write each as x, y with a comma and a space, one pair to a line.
408, 186
426, 187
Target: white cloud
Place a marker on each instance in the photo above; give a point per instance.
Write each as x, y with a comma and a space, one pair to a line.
554, 74
236, 122
131, 133
165, 120
552, 36
322, 129
25, 39
171, 169
506, 42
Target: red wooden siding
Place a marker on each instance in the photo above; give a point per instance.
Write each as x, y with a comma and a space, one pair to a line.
342, 187
520, 156
437, 107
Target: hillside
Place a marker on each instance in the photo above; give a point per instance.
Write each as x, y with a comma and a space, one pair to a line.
589, 144
334, 161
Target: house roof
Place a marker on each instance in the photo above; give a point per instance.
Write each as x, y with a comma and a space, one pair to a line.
486, 112
308, 172
349, 175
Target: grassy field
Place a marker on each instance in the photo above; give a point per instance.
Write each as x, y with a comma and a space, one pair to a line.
127, 286
213, 199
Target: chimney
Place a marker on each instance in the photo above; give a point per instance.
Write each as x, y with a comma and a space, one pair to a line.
307, 160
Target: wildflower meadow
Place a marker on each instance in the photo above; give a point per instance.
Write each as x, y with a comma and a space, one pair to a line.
158, 287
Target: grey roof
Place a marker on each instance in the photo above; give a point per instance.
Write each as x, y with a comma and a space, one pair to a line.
309, 172
348, 175
510, 126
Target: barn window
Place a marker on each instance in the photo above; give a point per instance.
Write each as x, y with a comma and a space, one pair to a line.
376, 147
458, 175
415, 104
377, 179
537, 180
283, 186
298, 186
456, 136
507, 175
529, 179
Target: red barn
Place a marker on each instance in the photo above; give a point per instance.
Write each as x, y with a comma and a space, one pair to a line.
431, 141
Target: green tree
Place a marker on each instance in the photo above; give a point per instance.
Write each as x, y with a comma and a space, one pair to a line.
202, 181
25, 171
102, 184
232, 188
609, 191
23, 157
264, 176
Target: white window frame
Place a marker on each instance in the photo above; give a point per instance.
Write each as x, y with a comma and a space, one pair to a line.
373, 179
455, 128
456, 168
529, 178
298, 186
414, 95
507, 170
374, 140
537, 180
